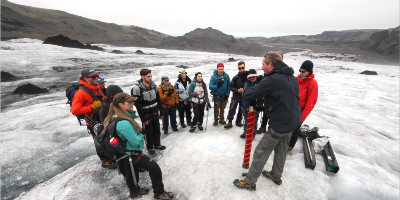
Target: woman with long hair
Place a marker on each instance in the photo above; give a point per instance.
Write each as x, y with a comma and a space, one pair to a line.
199, 94
130, 132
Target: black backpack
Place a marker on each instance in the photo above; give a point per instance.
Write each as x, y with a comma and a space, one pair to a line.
102, 140
70, 92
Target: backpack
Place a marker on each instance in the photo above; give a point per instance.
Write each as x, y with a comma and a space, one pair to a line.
215, 82
70, 92
102, 140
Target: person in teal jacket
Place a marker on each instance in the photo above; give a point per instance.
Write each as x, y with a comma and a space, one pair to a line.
131, 132
220, 89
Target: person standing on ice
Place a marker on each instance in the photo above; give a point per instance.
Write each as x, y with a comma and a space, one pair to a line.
149, 107
280, 89
199, 94
182, 89
102, 86
237, 86
308, 93
169, 100
220, 89
251, 80
131, 132
264, 119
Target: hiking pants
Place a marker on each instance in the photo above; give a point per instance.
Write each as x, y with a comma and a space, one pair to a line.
232, 109
245, 112
167, 113
185, 109
270, 141
219, 107
198, 110
153, 133
146, 163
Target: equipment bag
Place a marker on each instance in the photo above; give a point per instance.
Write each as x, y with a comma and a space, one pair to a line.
102, 140
330, 159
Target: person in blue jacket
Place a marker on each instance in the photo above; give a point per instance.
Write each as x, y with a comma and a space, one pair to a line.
220, 89
131, 132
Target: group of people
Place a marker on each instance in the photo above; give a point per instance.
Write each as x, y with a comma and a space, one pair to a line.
284, 100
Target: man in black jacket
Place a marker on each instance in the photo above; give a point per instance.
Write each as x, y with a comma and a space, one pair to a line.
281, 91
237, 87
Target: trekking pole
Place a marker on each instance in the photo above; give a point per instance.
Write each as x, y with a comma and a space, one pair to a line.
132, 170
207, 118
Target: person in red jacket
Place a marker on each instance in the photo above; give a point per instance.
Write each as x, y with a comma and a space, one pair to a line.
88, 97
308, 93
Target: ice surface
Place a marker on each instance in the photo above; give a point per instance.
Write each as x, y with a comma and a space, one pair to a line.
46, 154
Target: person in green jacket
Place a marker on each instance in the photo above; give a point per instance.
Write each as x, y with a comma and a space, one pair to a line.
131, 132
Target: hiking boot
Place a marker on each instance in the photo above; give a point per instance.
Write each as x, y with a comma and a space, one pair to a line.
165, 195
269, 175
242, 185
183, 125
161, 147
192, 129
228, 126
175, 129
200, 127
222, 122
289, 148
165, 131
261, 130
151, 151
239, 124
135, 192
215, 123
111, 164
243, 135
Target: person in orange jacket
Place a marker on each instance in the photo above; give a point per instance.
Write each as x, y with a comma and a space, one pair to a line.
308, 93
169, 100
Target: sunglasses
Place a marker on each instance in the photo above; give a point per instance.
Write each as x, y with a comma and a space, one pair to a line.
94, 77
240, 68
302, 71
100, 79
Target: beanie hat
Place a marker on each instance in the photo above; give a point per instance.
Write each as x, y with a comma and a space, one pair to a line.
308, 66
220, 65
164, 78
113, 89
252, 74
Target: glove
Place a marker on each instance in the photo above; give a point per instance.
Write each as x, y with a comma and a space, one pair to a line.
144, 131
208, 106
226, 96
219, 84
253, 103
169, 93
258, 108
96, 104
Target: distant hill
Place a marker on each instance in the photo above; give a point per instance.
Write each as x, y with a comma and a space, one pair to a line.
385, 42
25, 21
211, 40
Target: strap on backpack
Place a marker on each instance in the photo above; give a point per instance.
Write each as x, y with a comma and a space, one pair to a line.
91, 93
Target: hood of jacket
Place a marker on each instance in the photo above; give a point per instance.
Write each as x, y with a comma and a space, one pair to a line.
281, 68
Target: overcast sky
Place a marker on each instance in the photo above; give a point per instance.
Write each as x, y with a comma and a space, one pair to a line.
238, 18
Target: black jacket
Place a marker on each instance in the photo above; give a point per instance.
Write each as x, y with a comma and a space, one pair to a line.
237, 83
105, 107
281, 91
